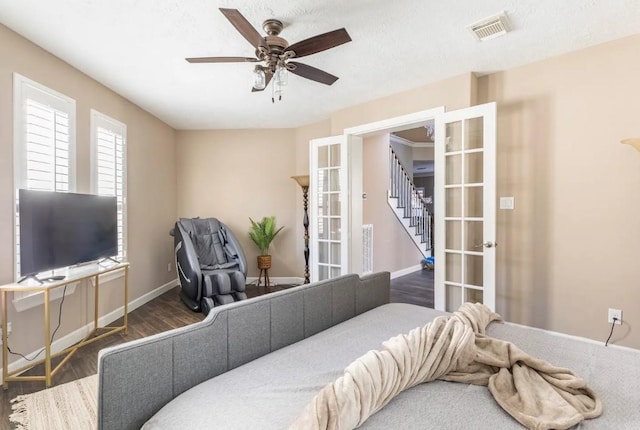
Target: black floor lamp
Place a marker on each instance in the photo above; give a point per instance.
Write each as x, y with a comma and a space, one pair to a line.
303, 181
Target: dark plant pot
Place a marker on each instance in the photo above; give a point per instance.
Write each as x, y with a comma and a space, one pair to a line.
264, 262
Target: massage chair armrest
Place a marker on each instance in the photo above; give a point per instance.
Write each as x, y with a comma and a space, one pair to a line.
233, 241
187, 263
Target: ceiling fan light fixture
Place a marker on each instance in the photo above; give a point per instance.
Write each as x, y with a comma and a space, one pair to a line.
259, 78
282, 75
276, 93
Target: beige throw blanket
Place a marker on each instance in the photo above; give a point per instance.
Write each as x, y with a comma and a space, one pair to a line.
453, 348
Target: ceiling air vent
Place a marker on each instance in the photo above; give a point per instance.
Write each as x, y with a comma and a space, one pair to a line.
491, 27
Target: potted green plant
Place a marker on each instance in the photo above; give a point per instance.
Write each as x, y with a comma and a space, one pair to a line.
262, 234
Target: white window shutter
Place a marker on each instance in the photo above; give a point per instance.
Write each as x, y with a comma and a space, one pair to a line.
109, 167
44, 143
47, 148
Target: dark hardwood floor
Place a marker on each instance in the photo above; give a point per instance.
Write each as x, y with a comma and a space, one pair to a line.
161, 314
415, 288
167, 312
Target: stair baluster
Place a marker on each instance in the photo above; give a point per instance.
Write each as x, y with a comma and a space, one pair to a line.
410, 203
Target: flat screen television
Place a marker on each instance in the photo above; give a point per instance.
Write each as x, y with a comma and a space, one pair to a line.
64, 229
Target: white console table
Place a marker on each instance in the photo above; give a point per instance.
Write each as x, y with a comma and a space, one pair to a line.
74, 275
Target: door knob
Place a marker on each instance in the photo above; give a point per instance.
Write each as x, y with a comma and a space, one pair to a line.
485, 244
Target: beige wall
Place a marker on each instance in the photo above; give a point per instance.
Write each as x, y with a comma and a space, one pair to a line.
453, 93
569, 250
393, 249
236, 174
151, 183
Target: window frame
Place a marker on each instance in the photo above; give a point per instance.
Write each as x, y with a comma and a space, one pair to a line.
100, 120
23, 89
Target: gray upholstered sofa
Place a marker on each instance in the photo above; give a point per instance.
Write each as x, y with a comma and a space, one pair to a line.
136, 379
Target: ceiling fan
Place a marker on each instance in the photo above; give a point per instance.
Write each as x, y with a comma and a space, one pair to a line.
275, 53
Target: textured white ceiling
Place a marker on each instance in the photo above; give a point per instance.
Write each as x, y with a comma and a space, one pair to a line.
137, 48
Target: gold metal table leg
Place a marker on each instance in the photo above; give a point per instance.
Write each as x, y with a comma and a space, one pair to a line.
47, 340
126, 297
96, 297
5, 355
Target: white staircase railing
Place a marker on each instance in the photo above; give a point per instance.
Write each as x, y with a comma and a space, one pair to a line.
410, 207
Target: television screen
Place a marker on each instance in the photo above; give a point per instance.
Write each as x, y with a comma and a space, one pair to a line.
64, 229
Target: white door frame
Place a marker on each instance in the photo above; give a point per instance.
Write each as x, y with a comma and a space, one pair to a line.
352, 139
398, 123
389, 125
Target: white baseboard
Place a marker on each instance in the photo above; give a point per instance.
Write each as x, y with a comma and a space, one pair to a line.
79, 334
571, 336
291, 280
406, 271
146, 298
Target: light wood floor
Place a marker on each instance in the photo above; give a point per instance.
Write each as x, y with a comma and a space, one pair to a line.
167, 312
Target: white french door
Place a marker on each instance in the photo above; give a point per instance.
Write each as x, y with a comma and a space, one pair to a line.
332, 184
465, 207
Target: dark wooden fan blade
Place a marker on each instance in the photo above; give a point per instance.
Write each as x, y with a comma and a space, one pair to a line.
267, 79
244, 27
312, 73
320, 43
222, 60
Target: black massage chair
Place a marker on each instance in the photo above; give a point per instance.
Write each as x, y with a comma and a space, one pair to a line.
211, 264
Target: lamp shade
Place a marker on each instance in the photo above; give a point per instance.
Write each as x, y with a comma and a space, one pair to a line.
302, 180
635, 142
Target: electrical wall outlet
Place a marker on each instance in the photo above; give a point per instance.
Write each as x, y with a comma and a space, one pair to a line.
615, 313
168, 267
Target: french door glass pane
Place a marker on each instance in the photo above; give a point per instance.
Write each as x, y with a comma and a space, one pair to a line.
335, 229
473, 202
453, 172
474, 130
323, 204
473, 167
323, 156
473, 296
334, 204
454, 298
335, 155
323, 272
473, 270
473, 232
454, 235
323, 252
454, 268
335, 253
334, 179
453, 202
454, 136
